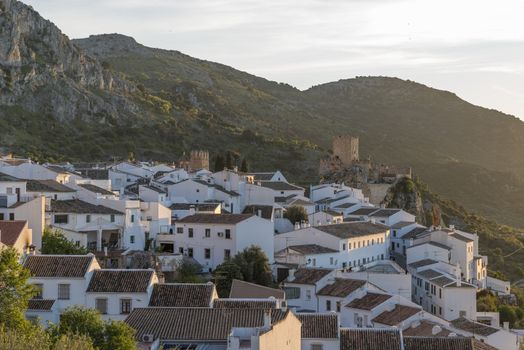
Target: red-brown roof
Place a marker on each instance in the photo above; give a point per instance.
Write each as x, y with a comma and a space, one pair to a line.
10, 231
399, 314
368, 301
341, 288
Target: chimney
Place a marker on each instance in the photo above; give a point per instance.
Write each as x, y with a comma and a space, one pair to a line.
452, 227
259, 212
291, 275
297, 225
192, 210
267, 318
505, 325
436, 330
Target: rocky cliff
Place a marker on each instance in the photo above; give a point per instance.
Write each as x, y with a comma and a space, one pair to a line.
43, 71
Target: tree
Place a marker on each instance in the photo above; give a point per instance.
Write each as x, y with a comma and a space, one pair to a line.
224, 275
14, 291
54, 242
229, 160
244, 166
84, 322
219, 163
254, 266
296, 214
187, 272
507, 314
73, 341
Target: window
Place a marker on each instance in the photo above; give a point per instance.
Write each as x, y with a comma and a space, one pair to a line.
132, 218
63, 291
338, 306
317, 347
88, 218
198, 190
228, 233
439, 310
349, 246
112, 217
190, 232
179, 230
328, 305
125, 306
314, 262
440, 293
343, 246
426, 286
61, 219
101, 305
308, 294
190, 252
292, 292
207, 253
394, 233
208, 232
227, 254
1, 216
181, 250
132, 239
331, 260
39, 288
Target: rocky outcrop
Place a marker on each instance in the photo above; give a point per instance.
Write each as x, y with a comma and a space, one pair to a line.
43, 71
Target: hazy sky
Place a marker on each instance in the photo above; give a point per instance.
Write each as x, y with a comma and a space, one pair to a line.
474, 48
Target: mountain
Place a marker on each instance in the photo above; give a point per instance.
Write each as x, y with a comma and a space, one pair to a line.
108, 95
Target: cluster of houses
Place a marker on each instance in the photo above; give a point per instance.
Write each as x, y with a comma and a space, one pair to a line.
351, 276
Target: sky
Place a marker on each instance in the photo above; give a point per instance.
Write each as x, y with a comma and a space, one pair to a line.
474, 48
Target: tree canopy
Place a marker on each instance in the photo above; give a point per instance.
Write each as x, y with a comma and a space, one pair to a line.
296, 214
54, 242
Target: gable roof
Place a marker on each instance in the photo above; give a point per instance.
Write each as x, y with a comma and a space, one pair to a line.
423, 262
198, 206
461, 237
47, 186
434, 244
76, 206
280, 186
266, 210
319, 326
96, 189
341, 288
309, 275
444, 343
225, 219
10, 231
352, 229
217, 187
242, 289
364, 211
205, 324
40, 304
402, 224
95, 174
414, 233
120, 281
182, 295
368, 301
311, 249
58, 266
425, 328
398, 314
8, 178
466, 325
370, 339
228, 303
385, 212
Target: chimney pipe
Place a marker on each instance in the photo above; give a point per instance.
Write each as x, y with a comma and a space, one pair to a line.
267, 318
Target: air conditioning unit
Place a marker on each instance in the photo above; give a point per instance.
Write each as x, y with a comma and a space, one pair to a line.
220, 234
148, 338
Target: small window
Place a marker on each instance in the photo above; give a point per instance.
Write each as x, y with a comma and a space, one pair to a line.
112, 218
132, 218
11, 216
338, 306
208, 232
343, 247
39, 289
198, 190
125, 306
207, 253
179, 230
181, 250
88, 218
328, 305
1, 216
63, 292
101, 305
317, 347
190, 252
132, 239
190, 232
228, 233
227, 254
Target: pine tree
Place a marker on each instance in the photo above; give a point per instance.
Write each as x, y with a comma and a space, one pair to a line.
244, 166
229, 160
219, 163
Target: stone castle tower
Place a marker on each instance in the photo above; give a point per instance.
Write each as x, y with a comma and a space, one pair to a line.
345, 148
199, 160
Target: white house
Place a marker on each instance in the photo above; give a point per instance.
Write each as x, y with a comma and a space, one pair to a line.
302, 285
210, 239
16, 234
319, 331
50, 189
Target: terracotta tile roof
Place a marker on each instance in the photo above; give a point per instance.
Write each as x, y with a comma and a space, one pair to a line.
47, 186
341, 288
423, 262
312, 249
444, 343
77, 206
226, 219
426, 329
473, 327
364, 211
182, 295
95, 174
56, 266
319, 326
267, 176
241, 289
197, 206
385, 212
280, 186
346, 205
429, 274
206, 324
402, 224
461, 237
368, 301
217, 187
352, 229
40, 304
309, 275
120, 281
96, 189
415, 232
245, 303
370, 339
266, 210
10, 231
399, 314
435, 244
8, 178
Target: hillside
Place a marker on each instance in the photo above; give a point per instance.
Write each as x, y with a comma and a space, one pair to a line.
108, 96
